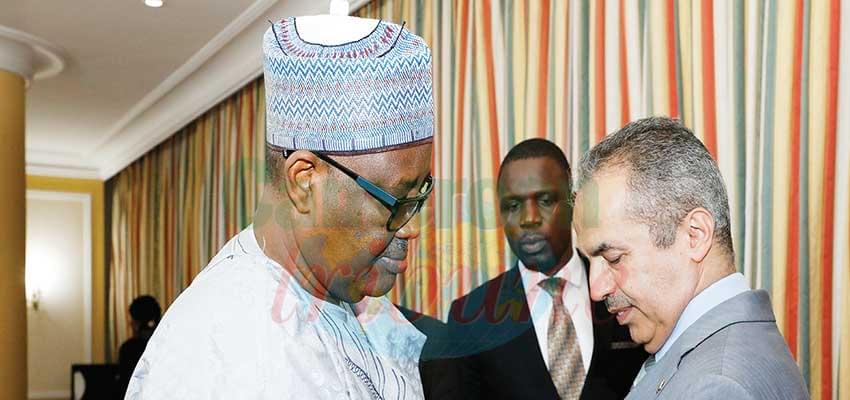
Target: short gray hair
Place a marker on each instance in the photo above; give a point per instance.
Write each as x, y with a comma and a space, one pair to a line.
670, 174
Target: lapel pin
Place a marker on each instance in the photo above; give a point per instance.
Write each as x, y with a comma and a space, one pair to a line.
661, 385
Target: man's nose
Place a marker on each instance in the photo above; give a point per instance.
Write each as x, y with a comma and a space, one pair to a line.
410, 230
601, 281
530, 215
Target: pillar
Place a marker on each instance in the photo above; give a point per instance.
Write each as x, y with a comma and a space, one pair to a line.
15, 67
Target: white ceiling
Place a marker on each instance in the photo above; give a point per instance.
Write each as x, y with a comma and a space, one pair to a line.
134, 74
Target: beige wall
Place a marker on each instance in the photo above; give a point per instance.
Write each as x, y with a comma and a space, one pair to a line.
58, 263
94, 189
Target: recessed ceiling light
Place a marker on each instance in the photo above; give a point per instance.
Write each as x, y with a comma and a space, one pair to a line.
153, 3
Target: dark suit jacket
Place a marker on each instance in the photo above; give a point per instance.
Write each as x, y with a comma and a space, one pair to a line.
499, 358
440, 377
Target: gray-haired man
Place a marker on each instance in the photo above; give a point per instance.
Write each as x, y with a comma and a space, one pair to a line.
652, 216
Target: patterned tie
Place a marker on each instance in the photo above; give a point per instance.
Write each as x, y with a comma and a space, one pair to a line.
565, 365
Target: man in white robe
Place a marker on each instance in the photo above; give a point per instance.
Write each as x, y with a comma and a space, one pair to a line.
293, 307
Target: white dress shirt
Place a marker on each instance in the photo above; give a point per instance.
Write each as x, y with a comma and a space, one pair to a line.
245, 329
576, 300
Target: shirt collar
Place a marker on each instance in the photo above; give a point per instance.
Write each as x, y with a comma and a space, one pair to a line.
573, 272
248, 242
710, 297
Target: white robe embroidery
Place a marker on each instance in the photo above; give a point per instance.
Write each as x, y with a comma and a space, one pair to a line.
244, 329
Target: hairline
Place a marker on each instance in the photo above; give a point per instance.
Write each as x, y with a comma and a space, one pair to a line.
619, 162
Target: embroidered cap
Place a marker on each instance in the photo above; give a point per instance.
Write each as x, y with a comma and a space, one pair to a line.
368, 95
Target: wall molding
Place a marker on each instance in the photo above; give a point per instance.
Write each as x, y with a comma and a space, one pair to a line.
180, 74
236, 63
229, 61
49, 394
166, 125
36, 58
63, 171
65, 165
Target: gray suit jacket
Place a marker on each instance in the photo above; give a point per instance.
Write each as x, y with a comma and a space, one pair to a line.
734, 351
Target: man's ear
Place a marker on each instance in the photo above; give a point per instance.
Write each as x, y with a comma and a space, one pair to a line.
700, 229
300, 174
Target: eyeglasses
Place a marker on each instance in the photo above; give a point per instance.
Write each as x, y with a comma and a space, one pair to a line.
401, 210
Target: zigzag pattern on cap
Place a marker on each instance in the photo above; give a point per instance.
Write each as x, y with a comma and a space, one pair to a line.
366, 95
342, 110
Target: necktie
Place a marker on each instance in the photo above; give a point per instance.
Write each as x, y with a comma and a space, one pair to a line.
565, 364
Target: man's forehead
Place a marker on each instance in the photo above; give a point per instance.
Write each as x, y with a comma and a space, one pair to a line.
609, 186
528, 184
533, 174
601, 201
534, 166
595, 235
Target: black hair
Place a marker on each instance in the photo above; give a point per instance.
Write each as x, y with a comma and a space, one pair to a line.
537, 148
145, 310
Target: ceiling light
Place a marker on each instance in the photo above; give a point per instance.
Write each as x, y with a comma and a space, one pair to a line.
153, 3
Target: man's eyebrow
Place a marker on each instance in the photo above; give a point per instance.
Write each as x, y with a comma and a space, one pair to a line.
405, 185
412, 181
603, 248
534, 194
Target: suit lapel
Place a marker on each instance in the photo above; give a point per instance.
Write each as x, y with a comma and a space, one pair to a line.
750, 306
753, 305
511, 297
525, 345
530, 363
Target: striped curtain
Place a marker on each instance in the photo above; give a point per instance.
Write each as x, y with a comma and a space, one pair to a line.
172, 209
760, 82
757, 81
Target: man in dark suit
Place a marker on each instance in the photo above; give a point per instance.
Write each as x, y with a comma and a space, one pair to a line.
533, 332
440, 378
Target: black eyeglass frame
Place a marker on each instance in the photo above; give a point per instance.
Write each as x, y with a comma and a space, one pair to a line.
392, 203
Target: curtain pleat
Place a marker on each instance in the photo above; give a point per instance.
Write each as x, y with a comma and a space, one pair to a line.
173, 208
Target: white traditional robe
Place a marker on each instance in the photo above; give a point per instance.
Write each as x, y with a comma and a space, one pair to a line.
244, 329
